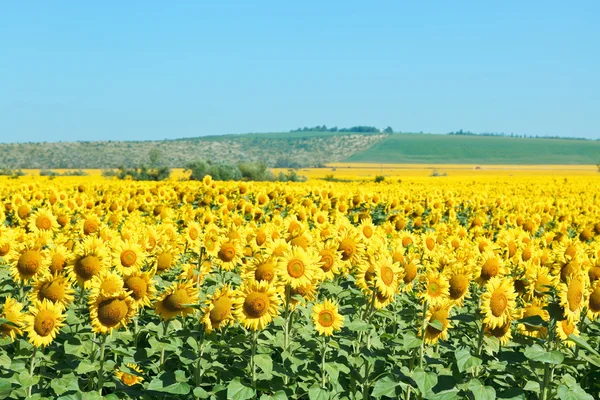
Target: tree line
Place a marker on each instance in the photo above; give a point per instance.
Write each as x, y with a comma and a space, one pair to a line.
354, 129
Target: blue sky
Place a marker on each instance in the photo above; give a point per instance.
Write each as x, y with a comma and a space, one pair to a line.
141, 70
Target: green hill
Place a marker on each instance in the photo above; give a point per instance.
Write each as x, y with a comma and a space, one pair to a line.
455, 149
304, 149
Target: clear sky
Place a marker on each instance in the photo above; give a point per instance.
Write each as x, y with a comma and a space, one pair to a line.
137, 70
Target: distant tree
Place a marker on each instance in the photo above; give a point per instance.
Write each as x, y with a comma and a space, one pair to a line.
154, 156
388, 130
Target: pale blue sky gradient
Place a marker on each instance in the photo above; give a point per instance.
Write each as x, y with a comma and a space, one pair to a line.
141, 70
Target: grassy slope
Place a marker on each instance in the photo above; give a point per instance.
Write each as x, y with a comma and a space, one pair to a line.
438, 149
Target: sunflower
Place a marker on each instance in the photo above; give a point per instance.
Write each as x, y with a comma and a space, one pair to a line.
531, 310
489, 266
326, 318
297, 267
128, 257
111, 312
351, 246
542, 281
59, 257
593, 305
218, 310
459, 280
166, 256
436, 289
229, 254
141, 288
300, 295
191, 233
256, 304
107, 284
11, 311
42, 221
130, 379
90, 259
498, 303
55, 288
571, 296
89, 225
261, 269
565, 328
42, 322
176, 299
501, 332
386, 276
438, 312
29, 261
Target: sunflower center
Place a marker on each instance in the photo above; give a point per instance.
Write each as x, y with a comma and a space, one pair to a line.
128, 379
256, 304
29, 263
326, 318
295, 268
112, 311
526, 255
265, 272
90, 227
490, 269
128, 258
434, 289
348, 248
570, 251
367, 231
23, 211
137, 286
327, 260
575, 294
87, 267
164, 261
175, 301
430, 243
44, 323
406, 241
567, 327
500, 331
498, 303
52, 291
568, 270
261, 238
387, 275
458, 286
193, 233
227, 252
221, 309
43, 222
410, 273
58, 263
594, 303
4, 249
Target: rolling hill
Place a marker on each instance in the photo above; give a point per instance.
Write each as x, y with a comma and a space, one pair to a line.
304, 149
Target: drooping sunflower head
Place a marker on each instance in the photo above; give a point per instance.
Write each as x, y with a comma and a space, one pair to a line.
141, 288
106, 283
261, 269
326, 318
55, 288
176, 300
502, 332
438, 322
218, 310
490, 265
42, 322
111, 312
128, 378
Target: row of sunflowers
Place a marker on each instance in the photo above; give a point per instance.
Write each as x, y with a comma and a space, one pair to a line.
432, 289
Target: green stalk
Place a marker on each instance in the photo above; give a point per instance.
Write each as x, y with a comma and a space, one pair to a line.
252, 363
286, 324
323, 377
200, 354
101, 369
162, 351
423, 327
31, 368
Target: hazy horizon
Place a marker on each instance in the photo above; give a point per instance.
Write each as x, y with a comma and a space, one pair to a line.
134, 71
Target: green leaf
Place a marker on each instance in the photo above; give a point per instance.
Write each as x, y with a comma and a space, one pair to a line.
64, 384
465, 361
581, 342
264, 362
5, 387
158, 385
425, 380
5, 361
577, 393
481, 392
280, 395
534, 321
4, 321
200, 393
385, 386
532, 386
435, 324
316, 392
358, 325
27, 380
237, 391
411, 341
85, 366
539, 354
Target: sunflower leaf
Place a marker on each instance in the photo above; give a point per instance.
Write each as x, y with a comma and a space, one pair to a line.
465, 361
581, 342
538, 353
435, 324
481, 392
385, 386
237, 391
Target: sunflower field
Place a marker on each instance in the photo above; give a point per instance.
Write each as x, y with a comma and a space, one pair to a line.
426, 289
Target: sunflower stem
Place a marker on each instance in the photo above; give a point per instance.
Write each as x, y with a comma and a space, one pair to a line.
162, 351
252, 363
286, 325
101, 368
200, 354
323, 377
423, 327
31, 368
